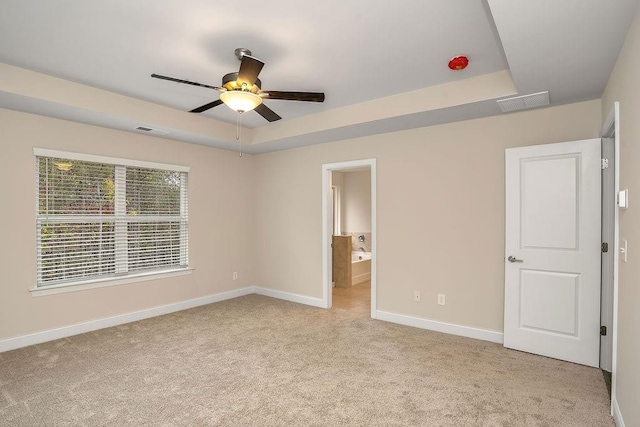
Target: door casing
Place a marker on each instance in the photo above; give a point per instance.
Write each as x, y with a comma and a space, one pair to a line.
611, 129
327, 220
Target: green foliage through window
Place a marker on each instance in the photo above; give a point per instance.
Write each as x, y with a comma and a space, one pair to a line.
98, 220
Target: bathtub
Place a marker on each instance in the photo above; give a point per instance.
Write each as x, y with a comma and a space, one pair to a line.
360, 256
360, 267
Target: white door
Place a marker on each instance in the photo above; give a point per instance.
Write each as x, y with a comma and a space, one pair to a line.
552, 261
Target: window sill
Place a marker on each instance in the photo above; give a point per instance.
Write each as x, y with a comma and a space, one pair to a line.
102, 283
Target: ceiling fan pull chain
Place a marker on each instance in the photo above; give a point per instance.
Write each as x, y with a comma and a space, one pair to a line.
239, 130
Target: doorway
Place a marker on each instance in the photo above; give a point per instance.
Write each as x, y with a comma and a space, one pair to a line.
359, 234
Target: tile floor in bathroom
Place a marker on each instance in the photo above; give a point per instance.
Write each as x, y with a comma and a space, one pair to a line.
355, 298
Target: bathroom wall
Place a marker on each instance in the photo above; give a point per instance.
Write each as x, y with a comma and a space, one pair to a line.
356, 207
356, 201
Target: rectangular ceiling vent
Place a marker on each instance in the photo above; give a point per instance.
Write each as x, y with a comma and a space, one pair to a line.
151, 130
535, 100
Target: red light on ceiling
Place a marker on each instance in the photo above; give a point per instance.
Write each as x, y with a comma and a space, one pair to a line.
459, 63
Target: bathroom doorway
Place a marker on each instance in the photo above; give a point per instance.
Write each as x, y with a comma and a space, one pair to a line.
349, 235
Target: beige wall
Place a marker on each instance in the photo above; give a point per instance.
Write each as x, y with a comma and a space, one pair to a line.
261, 216
356, 202
624, 86
440, 207
220, 223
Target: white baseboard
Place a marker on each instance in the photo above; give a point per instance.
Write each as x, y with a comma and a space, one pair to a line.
315, 302
94, 325
447, 328
615, 411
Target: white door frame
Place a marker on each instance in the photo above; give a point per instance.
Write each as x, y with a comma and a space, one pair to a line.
327, 218
608, 212
611, 129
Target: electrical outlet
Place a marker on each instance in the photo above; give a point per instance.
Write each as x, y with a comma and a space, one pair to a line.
440, 299
235, 275
416, 296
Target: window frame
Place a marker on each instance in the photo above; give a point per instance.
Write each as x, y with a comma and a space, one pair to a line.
97, 282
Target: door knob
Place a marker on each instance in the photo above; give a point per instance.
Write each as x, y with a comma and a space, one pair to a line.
513, 259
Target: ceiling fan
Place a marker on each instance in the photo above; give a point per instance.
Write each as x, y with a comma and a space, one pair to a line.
242, 91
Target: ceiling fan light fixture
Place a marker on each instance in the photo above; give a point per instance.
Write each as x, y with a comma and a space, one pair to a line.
242, 90
240, 101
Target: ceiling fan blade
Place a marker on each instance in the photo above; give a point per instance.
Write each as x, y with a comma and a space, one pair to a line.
292, 96
249, 69
206, 107
173, 79
267, 113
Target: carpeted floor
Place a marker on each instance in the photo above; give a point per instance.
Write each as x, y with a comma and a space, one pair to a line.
258, 361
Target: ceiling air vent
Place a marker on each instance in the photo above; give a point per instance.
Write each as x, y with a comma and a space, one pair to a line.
151, 130
535, 100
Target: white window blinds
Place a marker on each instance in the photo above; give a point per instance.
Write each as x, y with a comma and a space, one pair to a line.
99, 220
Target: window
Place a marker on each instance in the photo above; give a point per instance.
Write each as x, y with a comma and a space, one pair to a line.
102, 218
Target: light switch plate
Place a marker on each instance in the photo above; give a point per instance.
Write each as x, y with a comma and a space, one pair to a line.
624, 249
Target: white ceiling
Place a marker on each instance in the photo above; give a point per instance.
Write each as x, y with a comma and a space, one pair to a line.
360, 53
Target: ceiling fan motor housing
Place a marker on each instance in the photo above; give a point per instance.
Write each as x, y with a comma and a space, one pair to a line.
230, 82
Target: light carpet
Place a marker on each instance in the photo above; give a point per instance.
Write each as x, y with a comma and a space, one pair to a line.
258, 361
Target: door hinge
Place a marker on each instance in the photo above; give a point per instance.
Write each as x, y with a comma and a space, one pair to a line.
605, 247
604, 163
603, 330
